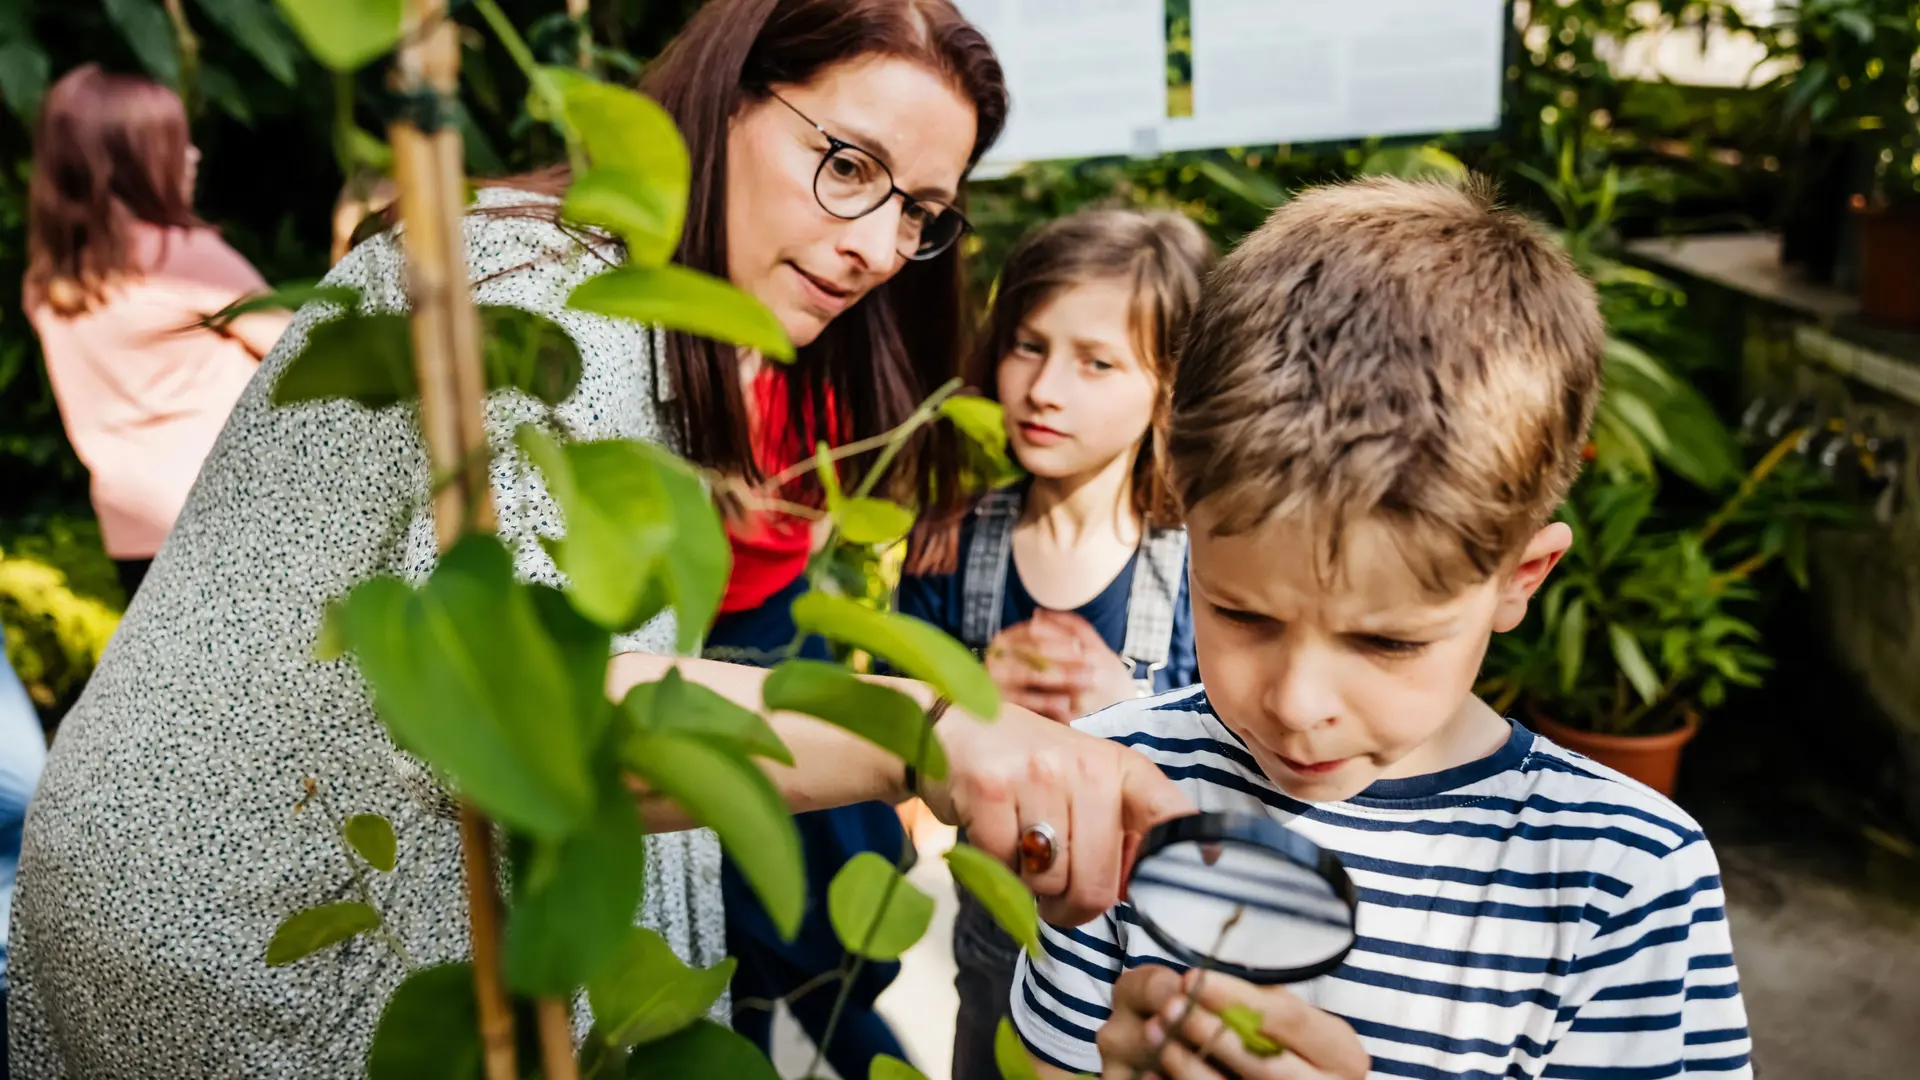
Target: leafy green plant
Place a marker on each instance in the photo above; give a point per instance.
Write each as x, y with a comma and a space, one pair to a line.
55, 635
1651, 619
498, 686
1848, 71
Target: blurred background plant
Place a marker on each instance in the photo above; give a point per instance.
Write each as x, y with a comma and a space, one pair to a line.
1602, 156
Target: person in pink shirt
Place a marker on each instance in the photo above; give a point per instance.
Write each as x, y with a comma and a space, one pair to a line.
120, 276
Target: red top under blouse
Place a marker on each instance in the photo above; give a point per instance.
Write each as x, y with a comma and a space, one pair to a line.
770, 549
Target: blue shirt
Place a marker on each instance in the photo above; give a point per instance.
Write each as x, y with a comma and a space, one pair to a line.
1532, 913
23, 752
937, 598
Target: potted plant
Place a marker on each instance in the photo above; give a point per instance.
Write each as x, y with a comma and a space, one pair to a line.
1847, 103
1650, 621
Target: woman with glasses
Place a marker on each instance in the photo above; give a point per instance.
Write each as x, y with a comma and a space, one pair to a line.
829, 138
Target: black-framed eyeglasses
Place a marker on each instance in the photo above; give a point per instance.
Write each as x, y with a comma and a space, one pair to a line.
852, 183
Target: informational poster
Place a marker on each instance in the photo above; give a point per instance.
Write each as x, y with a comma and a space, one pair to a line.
1094, 78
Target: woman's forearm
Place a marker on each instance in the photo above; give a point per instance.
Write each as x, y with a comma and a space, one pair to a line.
830, 766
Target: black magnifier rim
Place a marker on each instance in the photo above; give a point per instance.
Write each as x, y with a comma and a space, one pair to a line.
1256, 831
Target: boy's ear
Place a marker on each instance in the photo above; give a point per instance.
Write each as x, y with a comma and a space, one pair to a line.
1537, 560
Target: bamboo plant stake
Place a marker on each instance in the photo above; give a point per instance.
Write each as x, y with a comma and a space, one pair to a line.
428, 171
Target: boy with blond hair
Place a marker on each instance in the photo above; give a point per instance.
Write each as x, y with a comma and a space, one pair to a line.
1381, 403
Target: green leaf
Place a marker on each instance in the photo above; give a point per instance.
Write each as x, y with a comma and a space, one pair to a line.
1856, 23
430, 1028
363, 358
876, 912
585, 652
1245, 1022
914, 647
259, 31
1003, 894
618, 523
146, 27
567, 919
704, 1049
345, 34
700, 555
1414, 163
677, 298
330, 643
1254, 188
24, 71
730, 795
1573, 643
372, 836
304, 933
529, 353
879, 714
674, 706
625, 130
1633, 663
872, 521
290, 297
983, 424
465, 675
645, 217
861, 520
645, 993
1010, 1054
892, 1068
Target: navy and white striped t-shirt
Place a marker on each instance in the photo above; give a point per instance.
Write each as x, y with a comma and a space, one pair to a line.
1530, 914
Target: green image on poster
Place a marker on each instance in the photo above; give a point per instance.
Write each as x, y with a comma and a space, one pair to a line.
1179, 57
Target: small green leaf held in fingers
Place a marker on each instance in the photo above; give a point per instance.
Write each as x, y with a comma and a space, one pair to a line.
879, 714
1010, 1054
1003, 894
307, 932
371, 836
675, 706
915, 648
465, 675
677, 298
430, 1028
724, 791
345, 34
645, 993
876, 913
892, 1068
1245, 1022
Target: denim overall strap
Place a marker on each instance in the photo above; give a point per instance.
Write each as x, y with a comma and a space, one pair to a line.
1157, 574
984, 588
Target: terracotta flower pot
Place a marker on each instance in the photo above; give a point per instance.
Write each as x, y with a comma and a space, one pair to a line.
1889, 264
1654, 760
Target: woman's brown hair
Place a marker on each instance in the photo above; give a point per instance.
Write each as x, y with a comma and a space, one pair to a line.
1162, 257
108, 150
882, 357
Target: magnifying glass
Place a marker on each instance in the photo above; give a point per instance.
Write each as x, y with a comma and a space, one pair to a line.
1243, 895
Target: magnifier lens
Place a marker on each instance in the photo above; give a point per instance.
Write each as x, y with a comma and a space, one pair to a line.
1273, 913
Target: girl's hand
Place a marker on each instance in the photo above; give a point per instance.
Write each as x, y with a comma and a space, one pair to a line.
1108, 678
1040, 665
1152, 1031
